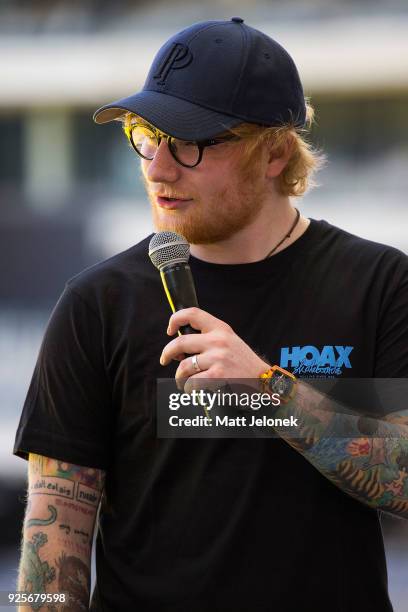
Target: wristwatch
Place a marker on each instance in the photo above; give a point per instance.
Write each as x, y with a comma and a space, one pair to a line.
278, 380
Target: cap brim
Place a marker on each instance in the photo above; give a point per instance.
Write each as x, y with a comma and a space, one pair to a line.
169, 114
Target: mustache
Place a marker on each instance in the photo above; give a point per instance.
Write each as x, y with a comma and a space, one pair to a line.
172, 195
164, 191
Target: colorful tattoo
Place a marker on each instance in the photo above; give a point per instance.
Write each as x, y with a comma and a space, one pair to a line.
43, 522
372, 467
90, 477
36, 573
60, 479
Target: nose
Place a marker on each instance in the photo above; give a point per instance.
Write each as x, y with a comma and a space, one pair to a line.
163, 168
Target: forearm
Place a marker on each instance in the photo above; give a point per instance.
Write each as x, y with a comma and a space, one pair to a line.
63, 499
366, 458
55, 557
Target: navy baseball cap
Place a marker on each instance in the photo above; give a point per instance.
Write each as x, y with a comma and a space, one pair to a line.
213, 76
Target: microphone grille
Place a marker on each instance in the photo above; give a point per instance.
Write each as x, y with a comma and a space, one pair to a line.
168, 248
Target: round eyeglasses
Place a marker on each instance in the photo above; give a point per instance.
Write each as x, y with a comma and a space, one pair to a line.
188, 153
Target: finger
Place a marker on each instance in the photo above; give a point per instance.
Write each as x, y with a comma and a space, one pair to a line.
197, 318
187, 345
203, 380
192, 364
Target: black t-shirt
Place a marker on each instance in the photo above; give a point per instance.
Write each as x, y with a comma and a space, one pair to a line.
224, 525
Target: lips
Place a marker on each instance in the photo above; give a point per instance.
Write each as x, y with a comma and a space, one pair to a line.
171, 203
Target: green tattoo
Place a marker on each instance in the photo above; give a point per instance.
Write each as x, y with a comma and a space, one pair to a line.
43, 522
37, 573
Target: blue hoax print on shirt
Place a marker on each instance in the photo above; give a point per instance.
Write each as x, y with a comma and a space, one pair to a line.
329, 360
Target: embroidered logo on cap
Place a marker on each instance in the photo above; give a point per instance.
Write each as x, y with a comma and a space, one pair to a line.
179, 56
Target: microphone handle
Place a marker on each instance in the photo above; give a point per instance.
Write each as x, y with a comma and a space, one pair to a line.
187, 329
178, 284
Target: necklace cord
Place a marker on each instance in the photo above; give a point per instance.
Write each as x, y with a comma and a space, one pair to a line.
288, 235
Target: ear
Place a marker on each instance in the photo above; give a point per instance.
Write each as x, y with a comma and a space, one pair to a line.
278, 158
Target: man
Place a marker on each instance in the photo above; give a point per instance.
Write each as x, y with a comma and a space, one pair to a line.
283, 524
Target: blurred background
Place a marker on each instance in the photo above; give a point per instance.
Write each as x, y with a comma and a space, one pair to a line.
70, 191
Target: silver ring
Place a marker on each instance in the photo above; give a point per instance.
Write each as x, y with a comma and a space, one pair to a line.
194, 361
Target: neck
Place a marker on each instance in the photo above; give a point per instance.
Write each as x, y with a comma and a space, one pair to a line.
256, 240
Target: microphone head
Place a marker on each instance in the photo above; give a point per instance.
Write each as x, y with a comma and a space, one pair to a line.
166, 248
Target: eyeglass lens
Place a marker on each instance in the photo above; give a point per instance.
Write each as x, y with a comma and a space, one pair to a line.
146, 142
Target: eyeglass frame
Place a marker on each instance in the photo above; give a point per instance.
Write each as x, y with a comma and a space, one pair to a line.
201, 144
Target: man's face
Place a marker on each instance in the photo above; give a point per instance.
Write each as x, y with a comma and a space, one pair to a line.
208, 203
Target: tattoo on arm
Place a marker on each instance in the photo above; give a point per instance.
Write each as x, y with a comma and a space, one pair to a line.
61, 479
369, 462
58, 560
74, 579
43, 522
36, 573
73, 575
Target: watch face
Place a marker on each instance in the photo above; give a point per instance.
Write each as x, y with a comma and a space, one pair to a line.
281, 384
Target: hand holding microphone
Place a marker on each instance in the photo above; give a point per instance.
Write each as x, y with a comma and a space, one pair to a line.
219, 353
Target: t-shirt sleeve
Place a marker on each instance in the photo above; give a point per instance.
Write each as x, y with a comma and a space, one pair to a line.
67, 413
391, 360
391, 364
387, 390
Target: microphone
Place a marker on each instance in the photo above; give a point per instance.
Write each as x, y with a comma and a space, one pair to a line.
169, 253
